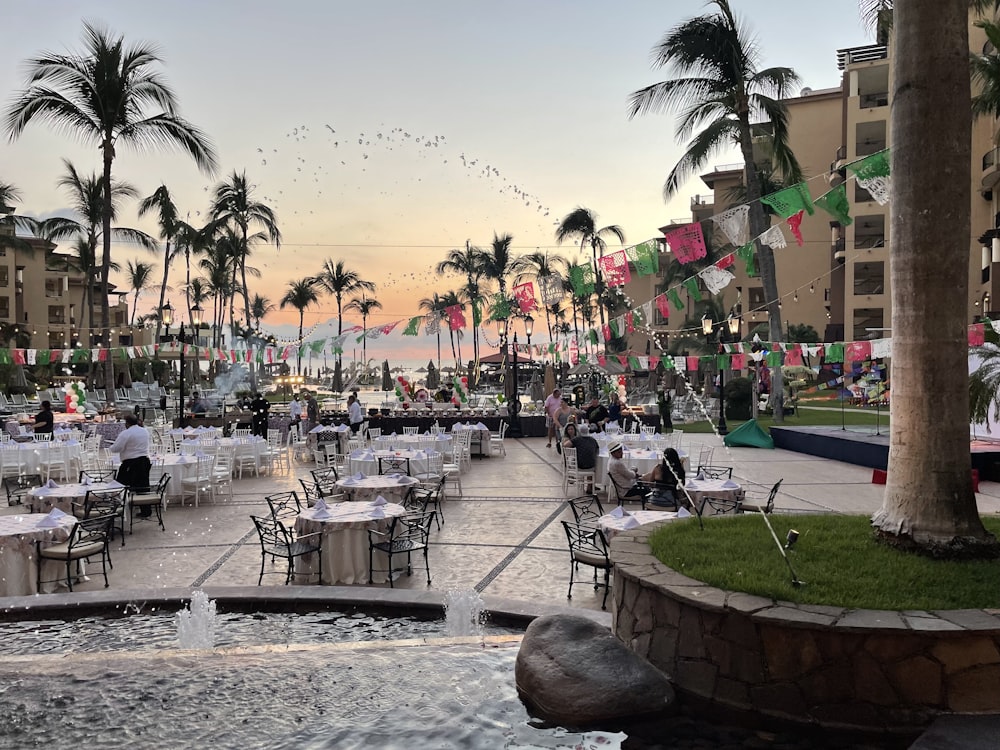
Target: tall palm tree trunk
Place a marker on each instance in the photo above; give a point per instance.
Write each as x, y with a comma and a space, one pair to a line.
109, 375
163, 289
187, 285
340, 325
298, 356
928, 499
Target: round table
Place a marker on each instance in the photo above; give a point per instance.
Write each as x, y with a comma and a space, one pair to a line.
64, 496
613, 525
345, 540
635, 458
393, 488
18, 535
30, 457
441, 442
698, 489
366, 462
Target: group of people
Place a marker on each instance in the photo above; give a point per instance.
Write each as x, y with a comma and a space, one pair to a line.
559, 414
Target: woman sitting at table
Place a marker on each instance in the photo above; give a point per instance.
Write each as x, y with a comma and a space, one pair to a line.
666, 480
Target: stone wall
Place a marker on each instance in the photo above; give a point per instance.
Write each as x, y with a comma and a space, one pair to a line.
840, 668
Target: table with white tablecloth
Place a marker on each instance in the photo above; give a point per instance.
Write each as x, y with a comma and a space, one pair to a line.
635, 458
613, 524
344, 527
32, 457
699, 489
393, 487
18, 536
250, 447
367, 461
480, 443
441, 442
65, 496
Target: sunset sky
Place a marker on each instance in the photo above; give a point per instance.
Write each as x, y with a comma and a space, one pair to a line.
388, 132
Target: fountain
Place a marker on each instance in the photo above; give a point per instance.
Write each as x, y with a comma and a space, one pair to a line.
196, 624
465, 612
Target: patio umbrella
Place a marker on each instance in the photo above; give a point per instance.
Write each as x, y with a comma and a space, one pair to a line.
535, 386
386, 377
433, 379
550, 380
147, 377
126, 374
338, 378
18, 377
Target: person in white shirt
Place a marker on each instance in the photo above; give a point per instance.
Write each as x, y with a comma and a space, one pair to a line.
295, 410
132, 447
625, 479
354, 414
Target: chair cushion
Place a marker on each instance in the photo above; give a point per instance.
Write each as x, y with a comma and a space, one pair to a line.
598, 561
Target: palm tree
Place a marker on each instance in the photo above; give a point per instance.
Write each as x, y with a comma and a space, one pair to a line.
581, 224
539, 265
928, 504
364, 306
300, 295
171, 227
340, 281
218, 267
107, 95
140, 277
433, 304
87, 199
468, 263
717, 83
877, 16
451, 299
260, 308
234, 204
9, 195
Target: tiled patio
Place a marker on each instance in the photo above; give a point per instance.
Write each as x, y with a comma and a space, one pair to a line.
502, 538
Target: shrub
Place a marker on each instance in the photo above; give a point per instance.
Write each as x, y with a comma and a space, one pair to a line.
739, 397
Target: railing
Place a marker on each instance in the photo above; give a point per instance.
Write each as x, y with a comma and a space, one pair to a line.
870, 146
871, 101
989, 159
841, 153
867, 53
869, 240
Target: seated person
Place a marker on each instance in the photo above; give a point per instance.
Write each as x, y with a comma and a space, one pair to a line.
626, 480
615, 409
597, 414
196, 404
667, 478
586, 447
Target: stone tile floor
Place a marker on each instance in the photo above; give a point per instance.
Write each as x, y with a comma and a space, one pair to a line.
502, 538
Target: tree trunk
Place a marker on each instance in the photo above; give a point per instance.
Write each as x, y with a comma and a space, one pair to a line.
109, 376
929, 503
163, 291
298, 367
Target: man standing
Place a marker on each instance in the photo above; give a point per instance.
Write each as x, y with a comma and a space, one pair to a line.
132, 447
551, 406
45, 420
295, 409
312, 410
259, 408
354, 414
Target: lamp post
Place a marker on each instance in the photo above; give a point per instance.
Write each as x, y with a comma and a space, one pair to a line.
167, 316
727, 332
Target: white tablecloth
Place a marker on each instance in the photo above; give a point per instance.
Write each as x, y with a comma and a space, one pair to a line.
43, 499
245, 446
366, 462
345, 541
392, 488
31, 457
18, 534
612, 526
639, 458
697, 489
442, 442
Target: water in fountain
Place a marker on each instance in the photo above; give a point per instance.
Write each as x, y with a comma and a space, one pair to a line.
196, 625
465, 612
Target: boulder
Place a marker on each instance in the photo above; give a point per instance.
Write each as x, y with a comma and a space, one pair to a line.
573, 671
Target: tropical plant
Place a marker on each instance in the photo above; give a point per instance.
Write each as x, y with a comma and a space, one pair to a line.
340, 281
300, 295
234, 205
140, 278
928, 504
538, 266
581, 224
451, 299
434, 305
217, 264
9, 195
877, 16
364, 306
108, 95
171, 227
468, 263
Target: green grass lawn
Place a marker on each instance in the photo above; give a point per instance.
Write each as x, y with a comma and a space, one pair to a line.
806, 417
836, 556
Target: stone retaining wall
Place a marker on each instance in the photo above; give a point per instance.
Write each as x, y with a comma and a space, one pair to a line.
839, 668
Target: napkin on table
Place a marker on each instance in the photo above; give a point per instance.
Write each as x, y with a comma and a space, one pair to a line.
51, 484
319, 512
631, 522
349, 481
481, 426
52, 519
729, 484
379, 501
358, 477
86, 480
618, 512
320, 504
377, 513
700, 477
683, 512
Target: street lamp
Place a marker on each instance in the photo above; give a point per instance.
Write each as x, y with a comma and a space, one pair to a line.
728, 332
286, 382
167, 316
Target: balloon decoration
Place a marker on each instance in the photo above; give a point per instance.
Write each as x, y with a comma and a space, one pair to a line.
404, 389
461, 387
621, 388
76, 398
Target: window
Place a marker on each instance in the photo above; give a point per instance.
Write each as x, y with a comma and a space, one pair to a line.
869, 277
57, 314
866, 318
756, 296
4, 276
4, 307
869, 231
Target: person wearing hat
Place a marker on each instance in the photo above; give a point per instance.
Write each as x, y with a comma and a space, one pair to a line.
626, 480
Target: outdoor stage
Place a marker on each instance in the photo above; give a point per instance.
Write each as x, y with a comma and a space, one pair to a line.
865, 448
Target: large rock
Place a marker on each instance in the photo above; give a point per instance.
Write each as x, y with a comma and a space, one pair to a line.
571, 670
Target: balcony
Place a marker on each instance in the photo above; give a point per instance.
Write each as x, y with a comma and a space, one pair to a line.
870, 146
839, 250
991, 169
57, 320
873, 101
868, 53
